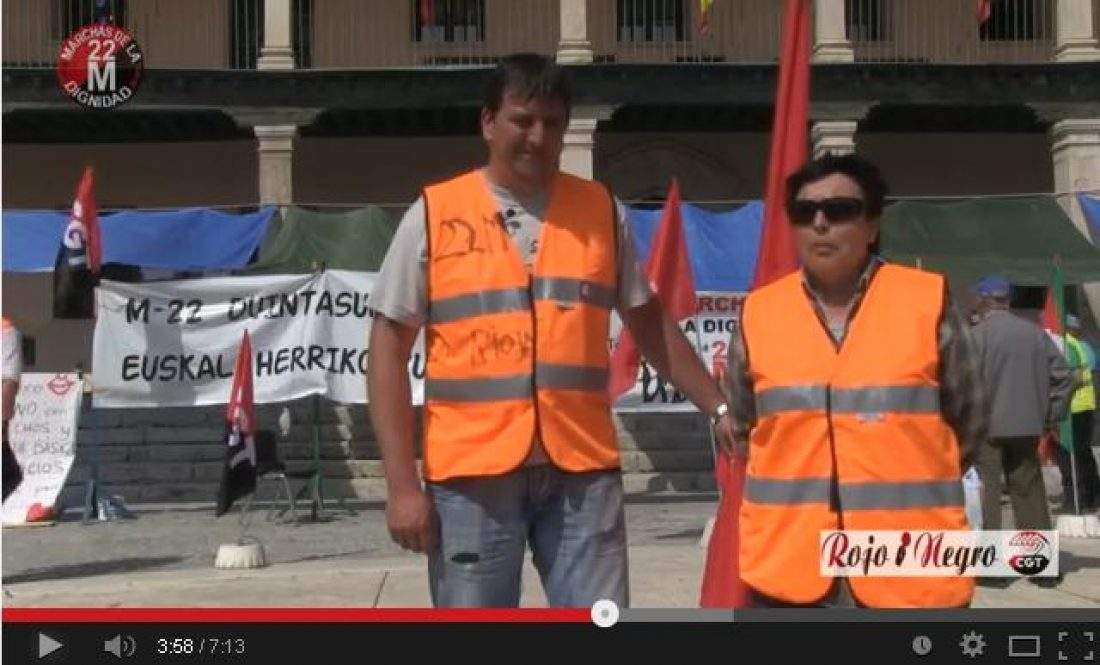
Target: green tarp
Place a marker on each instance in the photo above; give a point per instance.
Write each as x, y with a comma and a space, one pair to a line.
1014, 237
303, 239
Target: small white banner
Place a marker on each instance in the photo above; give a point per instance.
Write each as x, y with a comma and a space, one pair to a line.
708, 331
916, 553
42, 433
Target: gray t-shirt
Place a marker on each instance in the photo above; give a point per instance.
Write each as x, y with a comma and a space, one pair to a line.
401, 292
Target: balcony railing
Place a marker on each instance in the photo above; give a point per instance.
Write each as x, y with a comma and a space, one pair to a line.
361, 34
949, 31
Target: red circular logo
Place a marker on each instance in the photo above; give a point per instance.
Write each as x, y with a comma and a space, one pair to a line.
60, 384
100, 66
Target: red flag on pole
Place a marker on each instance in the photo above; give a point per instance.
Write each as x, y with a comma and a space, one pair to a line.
1050, 318
239, 475
789, 145
79, 255
669, 272
722, 585
985, 10
427, 12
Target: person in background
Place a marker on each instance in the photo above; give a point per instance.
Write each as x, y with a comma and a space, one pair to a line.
1028, 386
1081, 359
857, 387
12, 368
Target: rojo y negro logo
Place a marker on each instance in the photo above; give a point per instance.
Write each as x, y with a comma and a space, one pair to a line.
100, 66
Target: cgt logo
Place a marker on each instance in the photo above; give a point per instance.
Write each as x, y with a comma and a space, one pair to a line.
1029, 552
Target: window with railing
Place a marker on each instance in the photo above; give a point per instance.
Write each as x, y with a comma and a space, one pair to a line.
1013, 20
448, 21
75, 13
246, 33
653, 20
866, 20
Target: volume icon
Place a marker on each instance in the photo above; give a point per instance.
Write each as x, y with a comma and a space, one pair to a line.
121, 647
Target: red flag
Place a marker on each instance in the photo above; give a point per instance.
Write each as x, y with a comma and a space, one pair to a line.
790, 137
427, 12
1050, 319
669, 272
722, 584
79, 256
85, 222
985, 9
239, 475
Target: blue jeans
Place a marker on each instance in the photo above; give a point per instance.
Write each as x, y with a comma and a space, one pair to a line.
573, 521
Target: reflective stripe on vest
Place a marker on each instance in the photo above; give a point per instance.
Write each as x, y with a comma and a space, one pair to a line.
517, 386
877, 399
558, 289
855, 496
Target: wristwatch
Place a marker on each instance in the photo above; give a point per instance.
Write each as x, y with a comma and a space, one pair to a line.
719, 411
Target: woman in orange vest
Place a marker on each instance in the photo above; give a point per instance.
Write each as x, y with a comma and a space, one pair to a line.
854, 382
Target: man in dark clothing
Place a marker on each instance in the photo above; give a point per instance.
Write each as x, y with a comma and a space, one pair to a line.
1028, 387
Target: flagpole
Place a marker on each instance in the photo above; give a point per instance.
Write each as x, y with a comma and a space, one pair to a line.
1059, 301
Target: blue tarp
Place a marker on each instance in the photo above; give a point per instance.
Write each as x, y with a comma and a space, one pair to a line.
1091, 205
722, 245
186, 239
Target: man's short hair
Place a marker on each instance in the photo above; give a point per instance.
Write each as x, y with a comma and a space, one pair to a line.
866, 175
528, 76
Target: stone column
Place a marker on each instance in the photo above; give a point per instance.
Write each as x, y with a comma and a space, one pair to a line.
834, 127
830, 34
573, 45
1075, 32
276, 163
833, 137
277, 51
1075, 152
578, 154
275, 132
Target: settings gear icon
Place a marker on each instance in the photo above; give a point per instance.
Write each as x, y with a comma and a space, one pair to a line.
972, 644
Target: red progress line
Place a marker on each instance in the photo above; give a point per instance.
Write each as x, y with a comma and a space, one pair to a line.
289, 615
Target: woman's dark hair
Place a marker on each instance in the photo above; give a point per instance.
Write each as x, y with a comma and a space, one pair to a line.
866, 175
528, 76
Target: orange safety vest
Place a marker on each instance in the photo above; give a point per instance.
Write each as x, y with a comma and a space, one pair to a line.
868, 414
511, 353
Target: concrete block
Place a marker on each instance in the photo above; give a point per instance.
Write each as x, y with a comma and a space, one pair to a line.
183, 452
100, 418
122, 473
666, 460
664, 482
207, 471
167, 472
106, 454
170, 492
110, 437
173, 417
184, 434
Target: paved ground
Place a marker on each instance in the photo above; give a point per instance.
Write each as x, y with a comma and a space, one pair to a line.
165, 557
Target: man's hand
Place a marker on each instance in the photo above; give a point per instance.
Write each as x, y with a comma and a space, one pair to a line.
727, 438
412, 521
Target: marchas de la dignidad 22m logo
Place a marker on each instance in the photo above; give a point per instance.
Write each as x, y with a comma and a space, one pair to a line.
100, 66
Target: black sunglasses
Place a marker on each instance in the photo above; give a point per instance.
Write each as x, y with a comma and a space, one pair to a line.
837, 209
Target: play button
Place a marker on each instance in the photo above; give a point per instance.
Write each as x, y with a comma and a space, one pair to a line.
47, 645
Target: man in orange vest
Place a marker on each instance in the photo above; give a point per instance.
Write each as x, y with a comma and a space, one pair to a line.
856, 386
513, 270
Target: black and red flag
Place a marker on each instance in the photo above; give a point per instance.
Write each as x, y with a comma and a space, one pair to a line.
239, 476
79, 257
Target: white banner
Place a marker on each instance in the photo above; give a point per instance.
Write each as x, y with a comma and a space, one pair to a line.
42, 433
709, 331
174, 343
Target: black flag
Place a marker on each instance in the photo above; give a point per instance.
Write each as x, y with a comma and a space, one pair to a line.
239, 476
